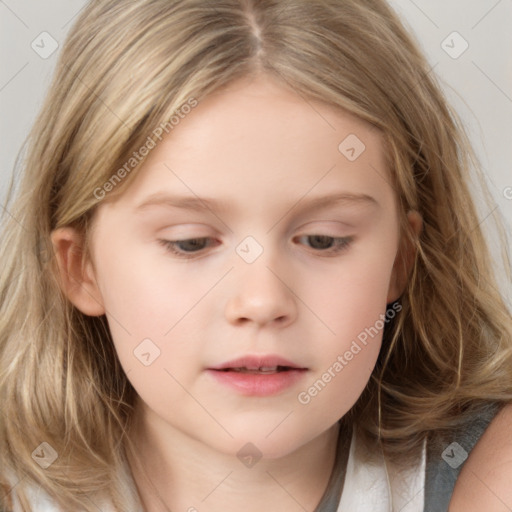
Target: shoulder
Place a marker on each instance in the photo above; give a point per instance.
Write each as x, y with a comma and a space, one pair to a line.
484, 482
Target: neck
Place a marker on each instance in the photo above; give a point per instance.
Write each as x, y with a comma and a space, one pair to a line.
175, 472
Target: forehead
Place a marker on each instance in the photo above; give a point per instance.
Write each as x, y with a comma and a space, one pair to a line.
258, 140
265, 111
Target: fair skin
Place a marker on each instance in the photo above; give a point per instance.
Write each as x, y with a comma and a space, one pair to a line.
265, 152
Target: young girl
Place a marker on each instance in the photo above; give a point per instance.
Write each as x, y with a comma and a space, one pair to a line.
243, 270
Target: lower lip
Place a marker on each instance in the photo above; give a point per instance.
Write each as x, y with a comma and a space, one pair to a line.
254, 384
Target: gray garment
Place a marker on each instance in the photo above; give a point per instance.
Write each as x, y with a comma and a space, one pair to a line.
446, 458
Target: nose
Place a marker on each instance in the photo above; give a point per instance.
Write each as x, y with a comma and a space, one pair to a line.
262, 295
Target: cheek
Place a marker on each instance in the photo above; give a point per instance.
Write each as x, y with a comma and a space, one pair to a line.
347, 358
146, 309
351, 297
144, 294
337, 387
352, 305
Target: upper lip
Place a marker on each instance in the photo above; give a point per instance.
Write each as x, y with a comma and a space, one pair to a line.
257, 361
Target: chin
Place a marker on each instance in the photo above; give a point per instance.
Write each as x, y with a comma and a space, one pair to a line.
259, 444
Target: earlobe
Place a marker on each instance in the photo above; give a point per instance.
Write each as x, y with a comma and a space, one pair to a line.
76, 273
404, 259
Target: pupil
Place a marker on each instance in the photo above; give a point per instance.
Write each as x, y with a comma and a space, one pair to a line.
193, 243
321, 238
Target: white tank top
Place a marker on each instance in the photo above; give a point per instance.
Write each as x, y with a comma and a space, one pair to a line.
373, 486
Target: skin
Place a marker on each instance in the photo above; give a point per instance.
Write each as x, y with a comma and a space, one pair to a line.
484, 480
266, 152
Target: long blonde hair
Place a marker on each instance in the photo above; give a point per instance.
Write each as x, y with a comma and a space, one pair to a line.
126, 68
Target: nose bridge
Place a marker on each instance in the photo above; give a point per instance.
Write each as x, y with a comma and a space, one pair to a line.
260, 291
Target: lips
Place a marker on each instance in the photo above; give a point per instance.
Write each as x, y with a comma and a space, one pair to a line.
258, 375
258, 364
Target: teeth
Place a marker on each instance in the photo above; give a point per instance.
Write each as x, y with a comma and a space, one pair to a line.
261, 369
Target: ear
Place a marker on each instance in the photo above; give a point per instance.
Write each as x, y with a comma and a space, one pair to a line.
76, 272
404, 259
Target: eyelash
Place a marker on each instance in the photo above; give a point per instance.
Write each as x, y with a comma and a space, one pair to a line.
342, 244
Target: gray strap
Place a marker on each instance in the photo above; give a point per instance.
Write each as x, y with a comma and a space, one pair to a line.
331, 498
445, 458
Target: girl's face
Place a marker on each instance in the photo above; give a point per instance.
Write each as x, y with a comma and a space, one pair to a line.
288, 231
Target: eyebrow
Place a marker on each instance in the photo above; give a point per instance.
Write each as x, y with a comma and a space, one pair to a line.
200, 204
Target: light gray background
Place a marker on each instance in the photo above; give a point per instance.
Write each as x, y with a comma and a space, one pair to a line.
478, 83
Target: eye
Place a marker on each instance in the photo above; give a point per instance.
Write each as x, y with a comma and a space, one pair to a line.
186, 248
189, 247
328, 244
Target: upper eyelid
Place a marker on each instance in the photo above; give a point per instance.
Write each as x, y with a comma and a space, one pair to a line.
303, 226
303, 230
